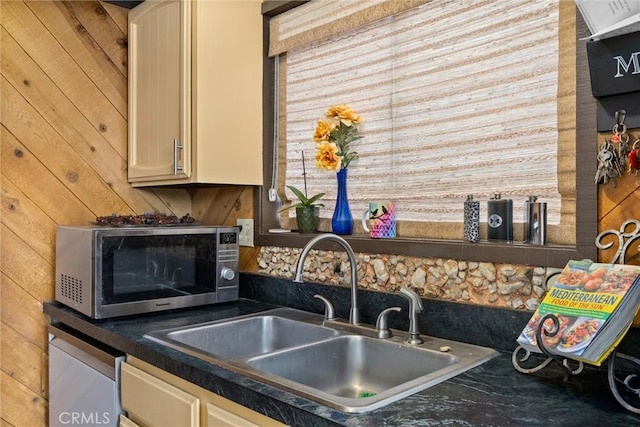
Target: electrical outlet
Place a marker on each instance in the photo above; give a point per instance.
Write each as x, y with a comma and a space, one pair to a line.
246, 234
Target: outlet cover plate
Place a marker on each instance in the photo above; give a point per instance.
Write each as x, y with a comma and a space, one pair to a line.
246, 234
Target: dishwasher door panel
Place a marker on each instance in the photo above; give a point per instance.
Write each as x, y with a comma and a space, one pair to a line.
83, 390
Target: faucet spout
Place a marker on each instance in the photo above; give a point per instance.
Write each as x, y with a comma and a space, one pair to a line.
354, 312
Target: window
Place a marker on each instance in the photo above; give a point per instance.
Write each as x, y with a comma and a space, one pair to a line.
384, 123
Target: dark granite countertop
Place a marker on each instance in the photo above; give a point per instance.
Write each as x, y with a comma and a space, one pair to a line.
493, 394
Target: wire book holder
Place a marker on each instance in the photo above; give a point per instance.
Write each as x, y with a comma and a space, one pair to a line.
618, 380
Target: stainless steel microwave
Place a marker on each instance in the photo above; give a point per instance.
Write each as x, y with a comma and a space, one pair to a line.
104, 271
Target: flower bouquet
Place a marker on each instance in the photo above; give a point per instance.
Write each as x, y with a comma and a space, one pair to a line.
333, 136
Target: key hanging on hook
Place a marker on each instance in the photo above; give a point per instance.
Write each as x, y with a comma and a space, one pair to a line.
619, 146
620, 129
607, 164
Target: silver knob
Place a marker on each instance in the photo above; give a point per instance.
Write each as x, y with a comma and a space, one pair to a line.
227, 273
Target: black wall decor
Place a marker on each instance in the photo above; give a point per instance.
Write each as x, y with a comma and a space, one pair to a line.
614, 67
608, 105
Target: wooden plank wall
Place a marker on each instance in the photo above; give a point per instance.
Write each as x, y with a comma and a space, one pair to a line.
64, 144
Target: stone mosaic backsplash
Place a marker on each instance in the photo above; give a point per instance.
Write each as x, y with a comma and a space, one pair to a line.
491, 284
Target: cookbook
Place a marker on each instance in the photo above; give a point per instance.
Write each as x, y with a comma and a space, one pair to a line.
610, 18
595, 305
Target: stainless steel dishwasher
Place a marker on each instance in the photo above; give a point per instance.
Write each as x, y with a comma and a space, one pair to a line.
84, 376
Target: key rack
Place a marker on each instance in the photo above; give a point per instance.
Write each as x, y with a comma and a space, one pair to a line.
618, 376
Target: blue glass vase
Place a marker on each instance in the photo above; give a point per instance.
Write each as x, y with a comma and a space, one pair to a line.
342, 220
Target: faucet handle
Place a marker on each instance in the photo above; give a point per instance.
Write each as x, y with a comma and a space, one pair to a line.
415, 307
329, 311
381, 324
413, 297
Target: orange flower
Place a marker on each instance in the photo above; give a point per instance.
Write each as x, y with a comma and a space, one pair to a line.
327, 156
323, 130
333, 135
344, 113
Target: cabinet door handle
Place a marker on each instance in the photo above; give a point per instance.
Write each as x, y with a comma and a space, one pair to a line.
176, 167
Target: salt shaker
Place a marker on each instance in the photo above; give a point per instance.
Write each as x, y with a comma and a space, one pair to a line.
471, 231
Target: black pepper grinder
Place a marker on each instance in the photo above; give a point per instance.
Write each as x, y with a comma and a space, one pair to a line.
500, 218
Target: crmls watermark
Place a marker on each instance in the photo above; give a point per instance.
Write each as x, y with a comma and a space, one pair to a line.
84, 418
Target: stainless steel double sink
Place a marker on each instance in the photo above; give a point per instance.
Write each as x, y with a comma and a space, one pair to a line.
331, 362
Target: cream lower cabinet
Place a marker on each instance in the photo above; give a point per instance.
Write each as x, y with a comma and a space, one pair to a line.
195, 92
126, 422
155, 398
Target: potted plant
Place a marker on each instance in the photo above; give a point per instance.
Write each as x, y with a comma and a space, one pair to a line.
307, 210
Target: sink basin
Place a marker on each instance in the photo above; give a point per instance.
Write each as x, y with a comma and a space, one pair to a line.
353, 366
357, 373
245, 337
334, 363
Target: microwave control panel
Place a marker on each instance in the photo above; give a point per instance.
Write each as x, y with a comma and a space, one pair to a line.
227, 254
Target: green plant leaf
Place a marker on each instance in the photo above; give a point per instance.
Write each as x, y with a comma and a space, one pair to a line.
304, 201
298, 194
311, 200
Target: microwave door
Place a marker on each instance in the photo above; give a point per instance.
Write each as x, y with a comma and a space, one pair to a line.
139, 273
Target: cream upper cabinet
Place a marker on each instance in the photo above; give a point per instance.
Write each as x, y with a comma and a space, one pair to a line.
195, 92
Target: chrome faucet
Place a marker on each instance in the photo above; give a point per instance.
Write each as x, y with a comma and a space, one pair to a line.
415, 307
354, 313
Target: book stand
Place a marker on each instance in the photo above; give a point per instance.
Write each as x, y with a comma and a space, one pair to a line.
618, 364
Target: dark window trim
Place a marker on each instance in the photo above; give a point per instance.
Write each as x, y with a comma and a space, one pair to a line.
124, 3
516, 253
275, 7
